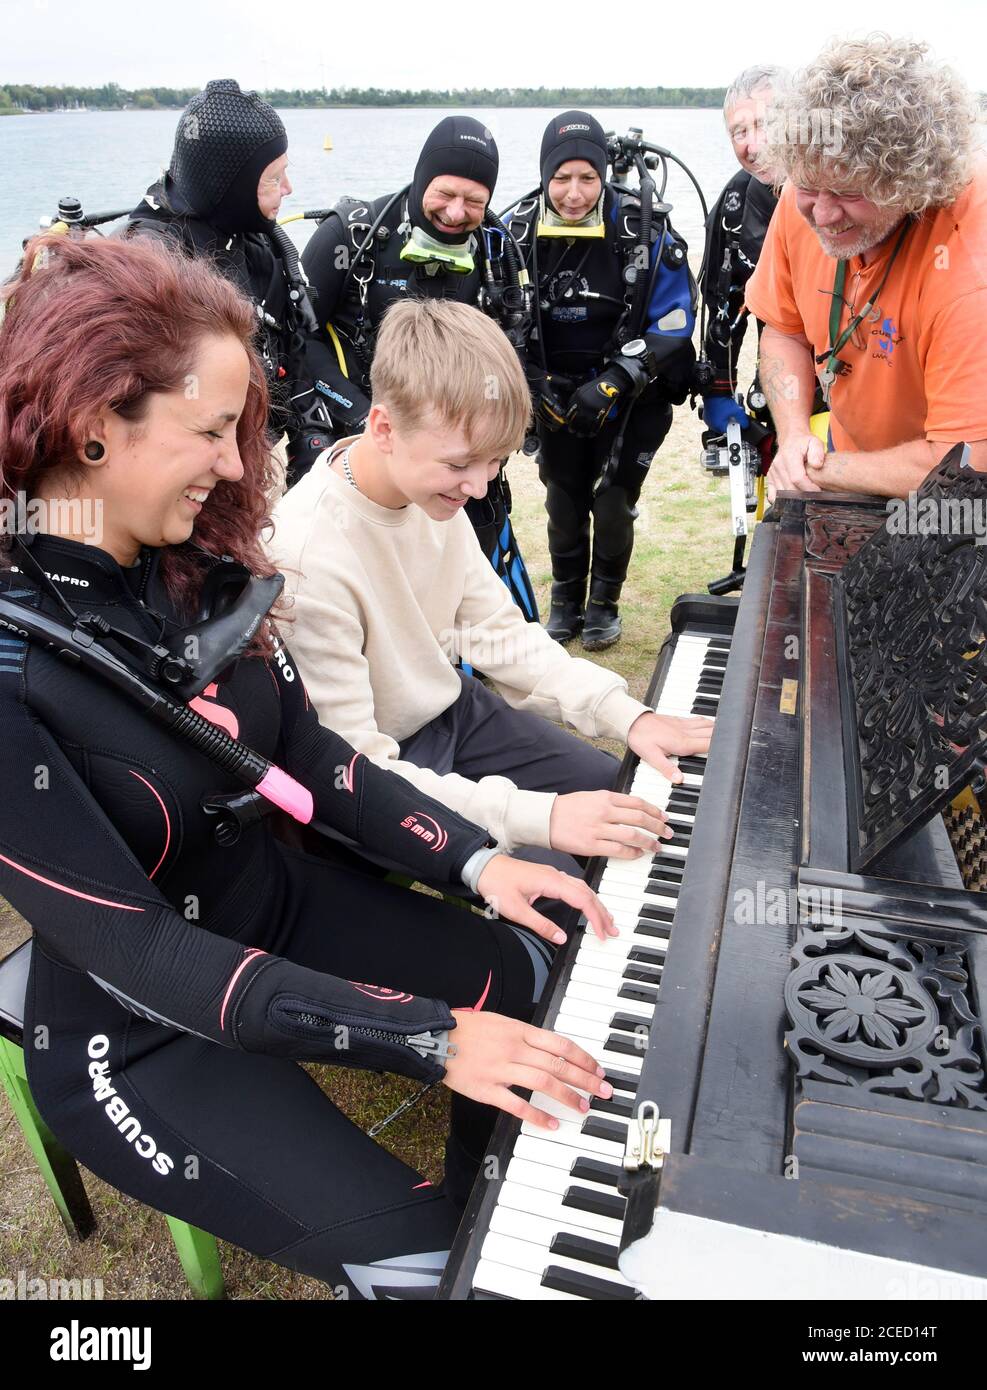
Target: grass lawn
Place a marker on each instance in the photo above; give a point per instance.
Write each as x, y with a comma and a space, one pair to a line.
683, 541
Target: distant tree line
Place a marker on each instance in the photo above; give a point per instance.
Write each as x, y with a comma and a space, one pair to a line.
111, 97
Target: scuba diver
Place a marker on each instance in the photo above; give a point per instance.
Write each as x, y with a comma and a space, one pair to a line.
610, 352
220, 199
735, 232
436, 238
184, 958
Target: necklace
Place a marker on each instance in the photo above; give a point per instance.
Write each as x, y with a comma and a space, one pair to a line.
347, 471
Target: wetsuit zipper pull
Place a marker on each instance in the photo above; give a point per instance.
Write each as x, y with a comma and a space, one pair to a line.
436, 1043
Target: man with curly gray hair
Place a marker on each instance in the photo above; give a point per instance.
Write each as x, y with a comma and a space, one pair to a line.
873, 276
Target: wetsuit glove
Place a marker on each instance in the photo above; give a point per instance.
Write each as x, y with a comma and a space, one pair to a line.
719, 411
598, 400
549, 397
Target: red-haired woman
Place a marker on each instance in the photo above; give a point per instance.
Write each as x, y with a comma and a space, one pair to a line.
175, 979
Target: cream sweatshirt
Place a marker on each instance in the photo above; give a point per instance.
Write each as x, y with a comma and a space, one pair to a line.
385, 601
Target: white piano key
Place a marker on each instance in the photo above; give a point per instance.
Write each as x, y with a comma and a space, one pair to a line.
534, 1259
607, 979
524, 1225
602, 1013
592, 976
625, 896
574, 1118
622, 1061
547, 1178
549, 1205
578, 991
550, 1154
599, 1032
569, 1135
517, 1283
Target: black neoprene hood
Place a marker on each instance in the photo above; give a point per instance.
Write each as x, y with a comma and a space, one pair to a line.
459, 146
225, 140
573, 135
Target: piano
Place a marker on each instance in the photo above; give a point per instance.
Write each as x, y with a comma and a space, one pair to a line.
792, 1016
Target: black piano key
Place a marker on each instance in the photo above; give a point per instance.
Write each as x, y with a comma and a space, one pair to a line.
629, 1046
697, 766
621, 1080
668, 870
598, 1127
638, 992
585, 1285
652, 929
629, 1023
684, 798
599, 1203
616, 1105
681, 836
641, 975
592, 1252
595, 1170
664, 886
647, 955
704, 706
655, 912
642, 979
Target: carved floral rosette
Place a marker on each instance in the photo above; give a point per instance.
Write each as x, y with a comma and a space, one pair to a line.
885, 1014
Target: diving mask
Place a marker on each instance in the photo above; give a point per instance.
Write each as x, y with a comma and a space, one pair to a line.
421, 249
551, 224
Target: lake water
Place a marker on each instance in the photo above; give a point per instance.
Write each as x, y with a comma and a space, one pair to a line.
107, 159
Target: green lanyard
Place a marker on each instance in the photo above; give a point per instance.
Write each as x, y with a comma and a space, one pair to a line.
837, 343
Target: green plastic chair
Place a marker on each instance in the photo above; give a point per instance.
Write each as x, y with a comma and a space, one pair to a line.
197, 1250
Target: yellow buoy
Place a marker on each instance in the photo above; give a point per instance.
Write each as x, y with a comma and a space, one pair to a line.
327, 143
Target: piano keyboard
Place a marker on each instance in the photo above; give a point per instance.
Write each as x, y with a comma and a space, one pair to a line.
555, 1230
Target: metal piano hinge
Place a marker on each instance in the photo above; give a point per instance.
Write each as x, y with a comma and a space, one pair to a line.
649, 1139
789, 696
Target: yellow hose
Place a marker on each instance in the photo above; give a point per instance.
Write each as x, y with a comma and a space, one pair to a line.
334, 339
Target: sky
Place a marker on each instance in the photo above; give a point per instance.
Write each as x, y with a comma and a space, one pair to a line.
451, 43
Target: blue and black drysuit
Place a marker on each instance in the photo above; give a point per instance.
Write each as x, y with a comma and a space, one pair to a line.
582, 324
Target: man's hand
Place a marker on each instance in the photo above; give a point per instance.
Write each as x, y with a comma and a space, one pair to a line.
607, 823
654, 736
549, 397
494, 1053
795, 466
510, 886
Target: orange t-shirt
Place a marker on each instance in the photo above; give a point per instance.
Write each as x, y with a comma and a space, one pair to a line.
919, 361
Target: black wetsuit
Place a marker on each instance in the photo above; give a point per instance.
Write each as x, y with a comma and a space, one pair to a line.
735, 232
249, 259
176, 982
579, 341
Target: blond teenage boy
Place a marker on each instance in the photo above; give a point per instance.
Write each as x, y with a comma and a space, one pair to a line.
391, 589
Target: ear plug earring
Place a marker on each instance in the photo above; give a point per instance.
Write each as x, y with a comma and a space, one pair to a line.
94, 451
